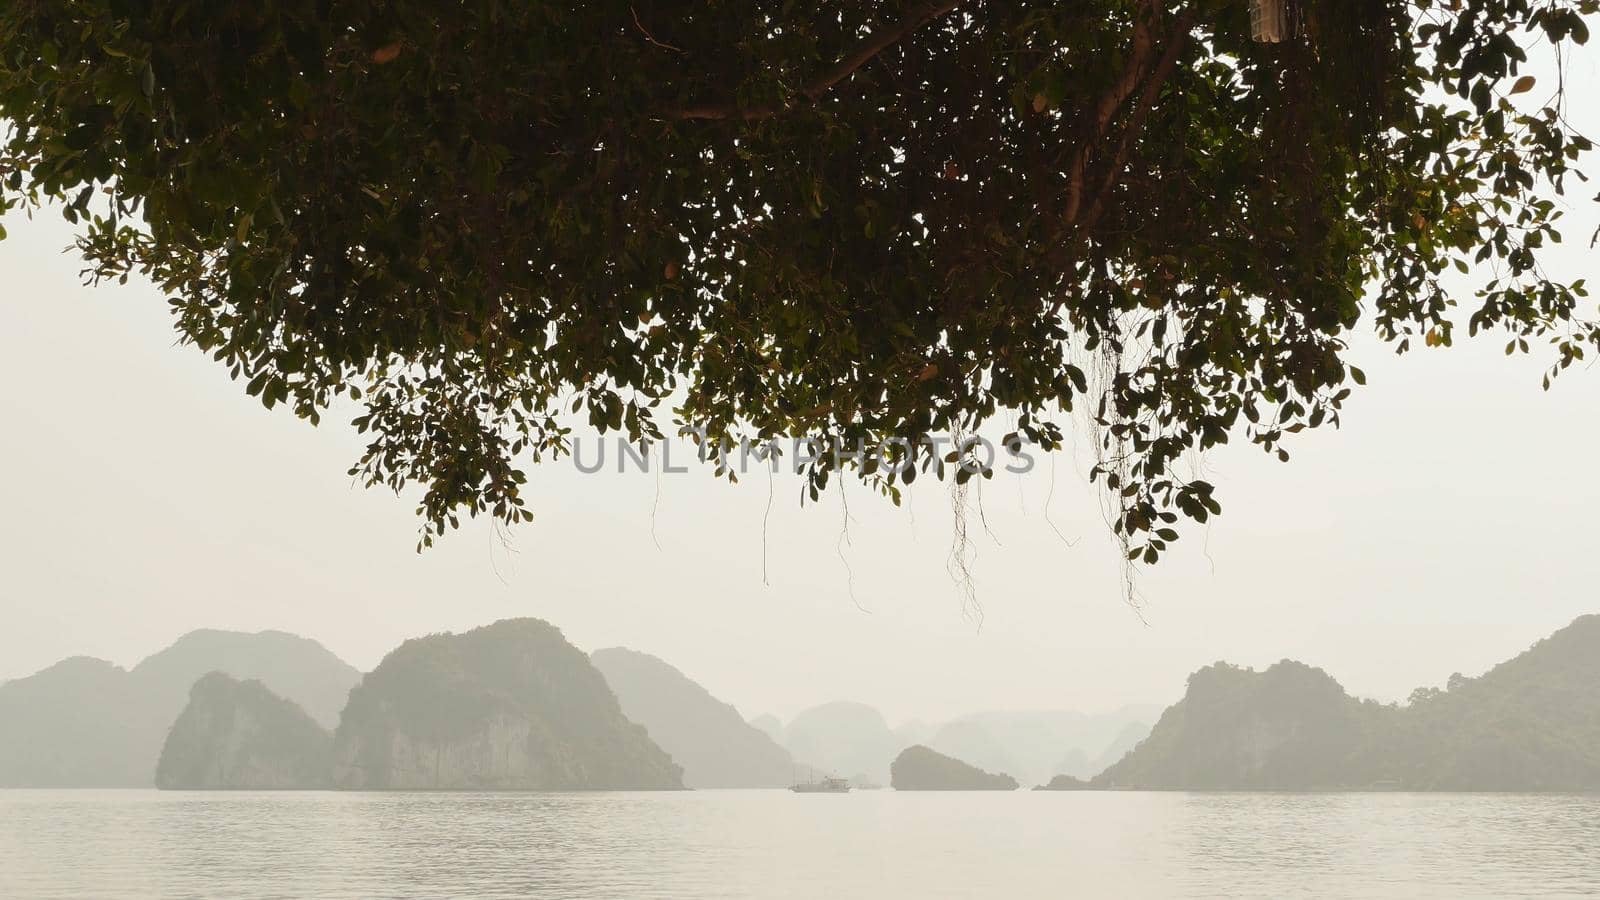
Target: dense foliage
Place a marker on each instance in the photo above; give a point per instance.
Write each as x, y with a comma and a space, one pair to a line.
1529, 724
868, 221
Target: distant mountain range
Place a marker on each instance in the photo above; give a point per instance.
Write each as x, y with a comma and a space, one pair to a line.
84, 722
510, 706
1529, 724
87, 723
715, 746
1035, 746
850, 740
515, 706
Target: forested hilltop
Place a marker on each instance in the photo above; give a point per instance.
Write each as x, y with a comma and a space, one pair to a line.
1529, 724
510, 706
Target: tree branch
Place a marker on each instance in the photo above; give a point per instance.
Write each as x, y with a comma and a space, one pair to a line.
1147, 97
1106, 110
1079, 217
869, 47
650, 37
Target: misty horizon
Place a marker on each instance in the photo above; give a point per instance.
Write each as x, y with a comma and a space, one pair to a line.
1400, 695
748, 714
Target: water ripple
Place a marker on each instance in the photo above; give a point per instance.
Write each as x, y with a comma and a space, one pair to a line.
772, 844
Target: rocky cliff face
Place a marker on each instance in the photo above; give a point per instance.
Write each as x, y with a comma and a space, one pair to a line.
511, 706
918, 768
506, 752
239, 735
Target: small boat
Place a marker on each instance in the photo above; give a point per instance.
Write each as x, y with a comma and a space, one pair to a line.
829, 785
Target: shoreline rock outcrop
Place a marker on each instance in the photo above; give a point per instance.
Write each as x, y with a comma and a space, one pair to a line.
919, 768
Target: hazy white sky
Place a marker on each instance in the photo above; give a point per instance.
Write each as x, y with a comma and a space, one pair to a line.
1446, 527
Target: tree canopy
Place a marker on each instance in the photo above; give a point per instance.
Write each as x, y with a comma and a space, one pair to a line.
851, 221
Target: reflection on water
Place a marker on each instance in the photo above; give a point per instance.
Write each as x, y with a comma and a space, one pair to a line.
70, 844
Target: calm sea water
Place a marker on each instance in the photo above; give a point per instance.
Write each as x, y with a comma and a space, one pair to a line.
760, 844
